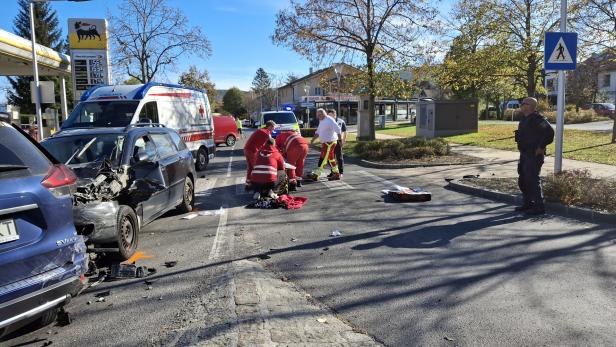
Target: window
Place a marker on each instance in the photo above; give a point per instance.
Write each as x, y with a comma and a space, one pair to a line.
102, 114
177, 140
164, 146
83, 149
149, 111
605, 81
317, 90
144, 145
19, 154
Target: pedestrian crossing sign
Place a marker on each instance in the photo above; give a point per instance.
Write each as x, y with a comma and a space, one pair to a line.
560, 51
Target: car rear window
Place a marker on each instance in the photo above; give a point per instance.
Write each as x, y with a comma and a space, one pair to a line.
280, 117
19, 156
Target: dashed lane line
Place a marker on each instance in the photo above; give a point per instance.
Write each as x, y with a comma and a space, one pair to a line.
230, 162
219, 239
337, 185
374, 177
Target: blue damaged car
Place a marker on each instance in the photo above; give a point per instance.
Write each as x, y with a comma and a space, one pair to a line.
42, 258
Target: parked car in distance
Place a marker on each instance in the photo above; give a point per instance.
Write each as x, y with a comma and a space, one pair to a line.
42, 259
285, 121
246, 123
604, 109
127, 178
225, 130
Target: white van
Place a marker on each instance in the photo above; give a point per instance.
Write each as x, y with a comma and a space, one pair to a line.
183, 109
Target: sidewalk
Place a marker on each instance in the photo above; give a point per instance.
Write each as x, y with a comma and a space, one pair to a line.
498, 156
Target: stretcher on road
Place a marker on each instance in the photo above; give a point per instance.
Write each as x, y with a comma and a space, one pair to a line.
405, 194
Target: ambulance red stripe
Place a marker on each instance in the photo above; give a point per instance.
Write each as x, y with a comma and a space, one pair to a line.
175, 95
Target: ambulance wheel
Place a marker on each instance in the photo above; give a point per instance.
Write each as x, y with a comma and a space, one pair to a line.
230, 141
202, 159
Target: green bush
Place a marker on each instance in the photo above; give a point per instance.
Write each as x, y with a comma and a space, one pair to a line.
307, 132
401, 149
572, 117
579, 188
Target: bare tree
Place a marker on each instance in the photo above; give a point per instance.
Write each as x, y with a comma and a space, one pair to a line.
596, 19
149, 36
370, 29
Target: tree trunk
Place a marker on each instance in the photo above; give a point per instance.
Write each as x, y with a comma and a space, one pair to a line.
614, 130
371, 98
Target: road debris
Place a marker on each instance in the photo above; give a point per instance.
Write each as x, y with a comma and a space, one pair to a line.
326, 249
448, 338
405, 194
284, 279
322, 320
293, 240
64, 318
102, 294
171, 263
335, 233
101, 299
190, 216
119, 271
206, 213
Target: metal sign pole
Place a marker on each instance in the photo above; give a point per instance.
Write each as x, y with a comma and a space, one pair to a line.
37, 87
560, 103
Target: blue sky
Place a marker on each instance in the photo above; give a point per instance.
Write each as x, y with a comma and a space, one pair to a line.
239, 31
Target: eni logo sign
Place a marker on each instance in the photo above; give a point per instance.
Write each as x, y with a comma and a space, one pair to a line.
87, 33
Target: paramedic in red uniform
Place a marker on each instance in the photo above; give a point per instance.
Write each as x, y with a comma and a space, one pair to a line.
254, 144
264, 175
294, 148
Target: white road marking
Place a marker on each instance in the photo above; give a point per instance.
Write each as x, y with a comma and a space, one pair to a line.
337, 185
220, 235
390, 184
207, 189
230, 162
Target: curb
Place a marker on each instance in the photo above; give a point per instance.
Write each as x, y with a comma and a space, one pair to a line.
376, 165
552, 207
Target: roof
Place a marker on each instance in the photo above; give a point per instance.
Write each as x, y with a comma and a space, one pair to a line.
316, 73
105, 131
129, 92
16, 58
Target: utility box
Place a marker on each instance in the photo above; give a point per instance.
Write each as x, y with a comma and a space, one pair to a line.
446, 118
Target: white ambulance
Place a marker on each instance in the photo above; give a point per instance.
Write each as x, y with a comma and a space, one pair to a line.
183, 109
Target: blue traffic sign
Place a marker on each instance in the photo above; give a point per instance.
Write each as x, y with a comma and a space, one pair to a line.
560, 51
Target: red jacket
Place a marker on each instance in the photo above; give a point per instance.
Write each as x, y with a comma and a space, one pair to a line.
257, 140
289, 139
267, 164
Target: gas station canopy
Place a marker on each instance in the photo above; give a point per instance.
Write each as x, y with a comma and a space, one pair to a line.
16, 58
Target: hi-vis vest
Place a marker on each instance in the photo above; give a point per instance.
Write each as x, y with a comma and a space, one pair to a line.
266, 167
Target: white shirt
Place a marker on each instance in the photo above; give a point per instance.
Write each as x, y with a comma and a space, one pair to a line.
328, 130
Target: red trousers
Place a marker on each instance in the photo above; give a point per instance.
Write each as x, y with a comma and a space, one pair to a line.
296, 155
250, 162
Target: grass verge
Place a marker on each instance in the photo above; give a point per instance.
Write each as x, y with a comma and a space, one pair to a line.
582, 145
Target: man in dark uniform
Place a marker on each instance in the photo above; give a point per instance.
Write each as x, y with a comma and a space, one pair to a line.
533, 135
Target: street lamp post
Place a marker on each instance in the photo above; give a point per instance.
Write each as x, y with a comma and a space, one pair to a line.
37, 88
338, 71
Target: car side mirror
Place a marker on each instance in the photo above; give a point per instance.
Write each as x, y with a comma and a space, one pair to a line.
142, 157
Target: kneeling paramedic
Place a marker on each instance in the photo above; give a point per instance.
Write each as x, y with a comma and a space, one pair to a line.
294, 148
254, 144
264, 175
329, 134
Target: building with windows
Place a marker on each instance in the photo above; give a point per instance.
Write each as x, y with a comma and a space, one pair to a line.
606, 84
320, 89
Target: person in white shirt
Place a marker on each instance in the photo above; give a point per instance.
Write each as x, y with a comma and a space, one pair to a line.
341, 142
328, 132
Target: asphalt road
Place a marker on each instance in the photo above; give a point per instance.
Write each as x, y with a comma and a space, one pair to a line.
455, 271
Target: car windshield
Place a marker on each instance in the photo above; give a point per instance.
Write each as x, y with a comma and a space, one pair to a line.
101, 114
86, 149
280, 117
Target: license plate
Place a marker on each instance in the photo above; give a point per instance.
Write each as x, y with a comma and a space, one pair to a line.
8, 232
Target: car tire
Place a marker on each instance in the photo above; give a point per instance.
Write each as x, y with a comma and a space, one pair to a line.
127, 232
188, 196
202, 159
230, 141
48, 317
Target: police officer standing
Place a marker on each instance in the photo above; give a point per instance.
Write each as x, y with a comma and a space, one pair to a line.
533, 135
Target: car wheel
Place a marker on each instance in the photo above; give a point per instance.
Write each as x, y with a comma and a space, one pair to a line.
127, 232
48, 317
230, 141
202, 159
188, 199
